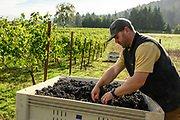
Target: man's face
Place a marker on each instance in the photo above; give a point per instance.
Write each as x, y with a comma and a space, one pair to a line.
120, 39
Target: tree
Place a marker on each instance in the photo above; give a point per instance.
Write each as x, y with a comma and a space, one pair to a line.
167, 28
78, 20
134, 17
157, 20
145, 19
87, 21
177, 29
64, 14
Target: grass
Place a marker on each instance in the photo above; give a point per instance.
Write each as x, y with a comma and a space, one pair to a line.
169, 41
14, 79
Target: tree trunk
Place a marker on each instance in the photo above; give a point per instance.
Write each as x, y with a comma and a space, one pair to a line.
70, 57
47, 51
82, 55
32, 76
89, 56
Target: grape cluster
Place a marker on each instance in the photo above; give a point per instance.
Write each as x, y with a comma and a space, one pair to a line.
81, 90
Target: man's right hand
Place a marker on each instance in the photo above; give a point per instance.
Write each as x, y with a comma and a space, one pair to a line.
95, 93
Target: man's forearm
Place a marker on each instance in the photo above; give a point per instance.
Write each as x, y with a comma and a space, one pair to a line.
131, 84
107, 77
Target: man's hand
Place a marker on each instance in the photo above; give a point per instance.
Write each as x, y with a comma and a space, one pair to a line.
106, 97
108, 76
95, 93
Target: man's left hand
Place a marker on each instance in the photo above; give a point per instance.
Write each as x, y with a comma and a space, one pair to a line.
106, 97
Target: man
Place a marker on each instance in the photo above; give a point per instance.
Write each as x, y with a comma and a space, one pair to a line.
149, 66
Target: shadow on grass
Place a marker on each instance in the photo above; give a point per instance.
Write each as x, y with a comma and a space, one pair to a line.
22, 75
16, 75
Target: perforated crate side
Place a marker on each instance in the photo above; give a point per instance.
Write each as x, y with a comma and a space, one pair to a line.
35, 107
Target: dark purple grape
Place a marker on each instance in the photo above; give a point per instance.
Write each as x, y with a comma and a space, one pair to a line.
81, 90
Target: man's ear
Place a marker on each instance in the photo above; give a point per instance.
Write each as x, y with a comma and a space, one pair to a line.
126, 29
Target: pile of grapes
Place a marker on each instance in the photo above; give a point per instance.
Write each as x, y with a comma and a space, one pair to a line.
81, 90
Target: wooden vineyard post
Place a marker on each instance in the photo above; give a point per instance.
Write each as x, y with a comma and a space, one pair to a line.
75, 57
160, 41
82, 56
89, 56
94, 51
70, 58
101, 51
97, 52
47, 51
104, 46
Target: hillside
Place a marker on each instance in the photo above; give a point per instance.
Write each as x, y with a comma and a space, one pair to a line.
169, 10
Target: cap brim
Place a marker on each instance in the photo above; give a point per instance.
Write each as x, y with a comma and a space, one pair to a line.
110, 38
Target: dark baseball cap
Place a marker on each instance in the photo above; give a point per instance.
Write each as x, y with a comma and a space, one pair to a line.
117, 26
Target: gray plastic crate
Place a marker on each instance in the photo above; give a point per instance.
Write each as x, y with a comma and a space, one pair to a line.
35, 107
113, 56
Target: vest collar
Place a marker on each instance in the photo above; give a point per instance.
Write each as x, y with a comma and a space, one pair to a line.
136, 36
